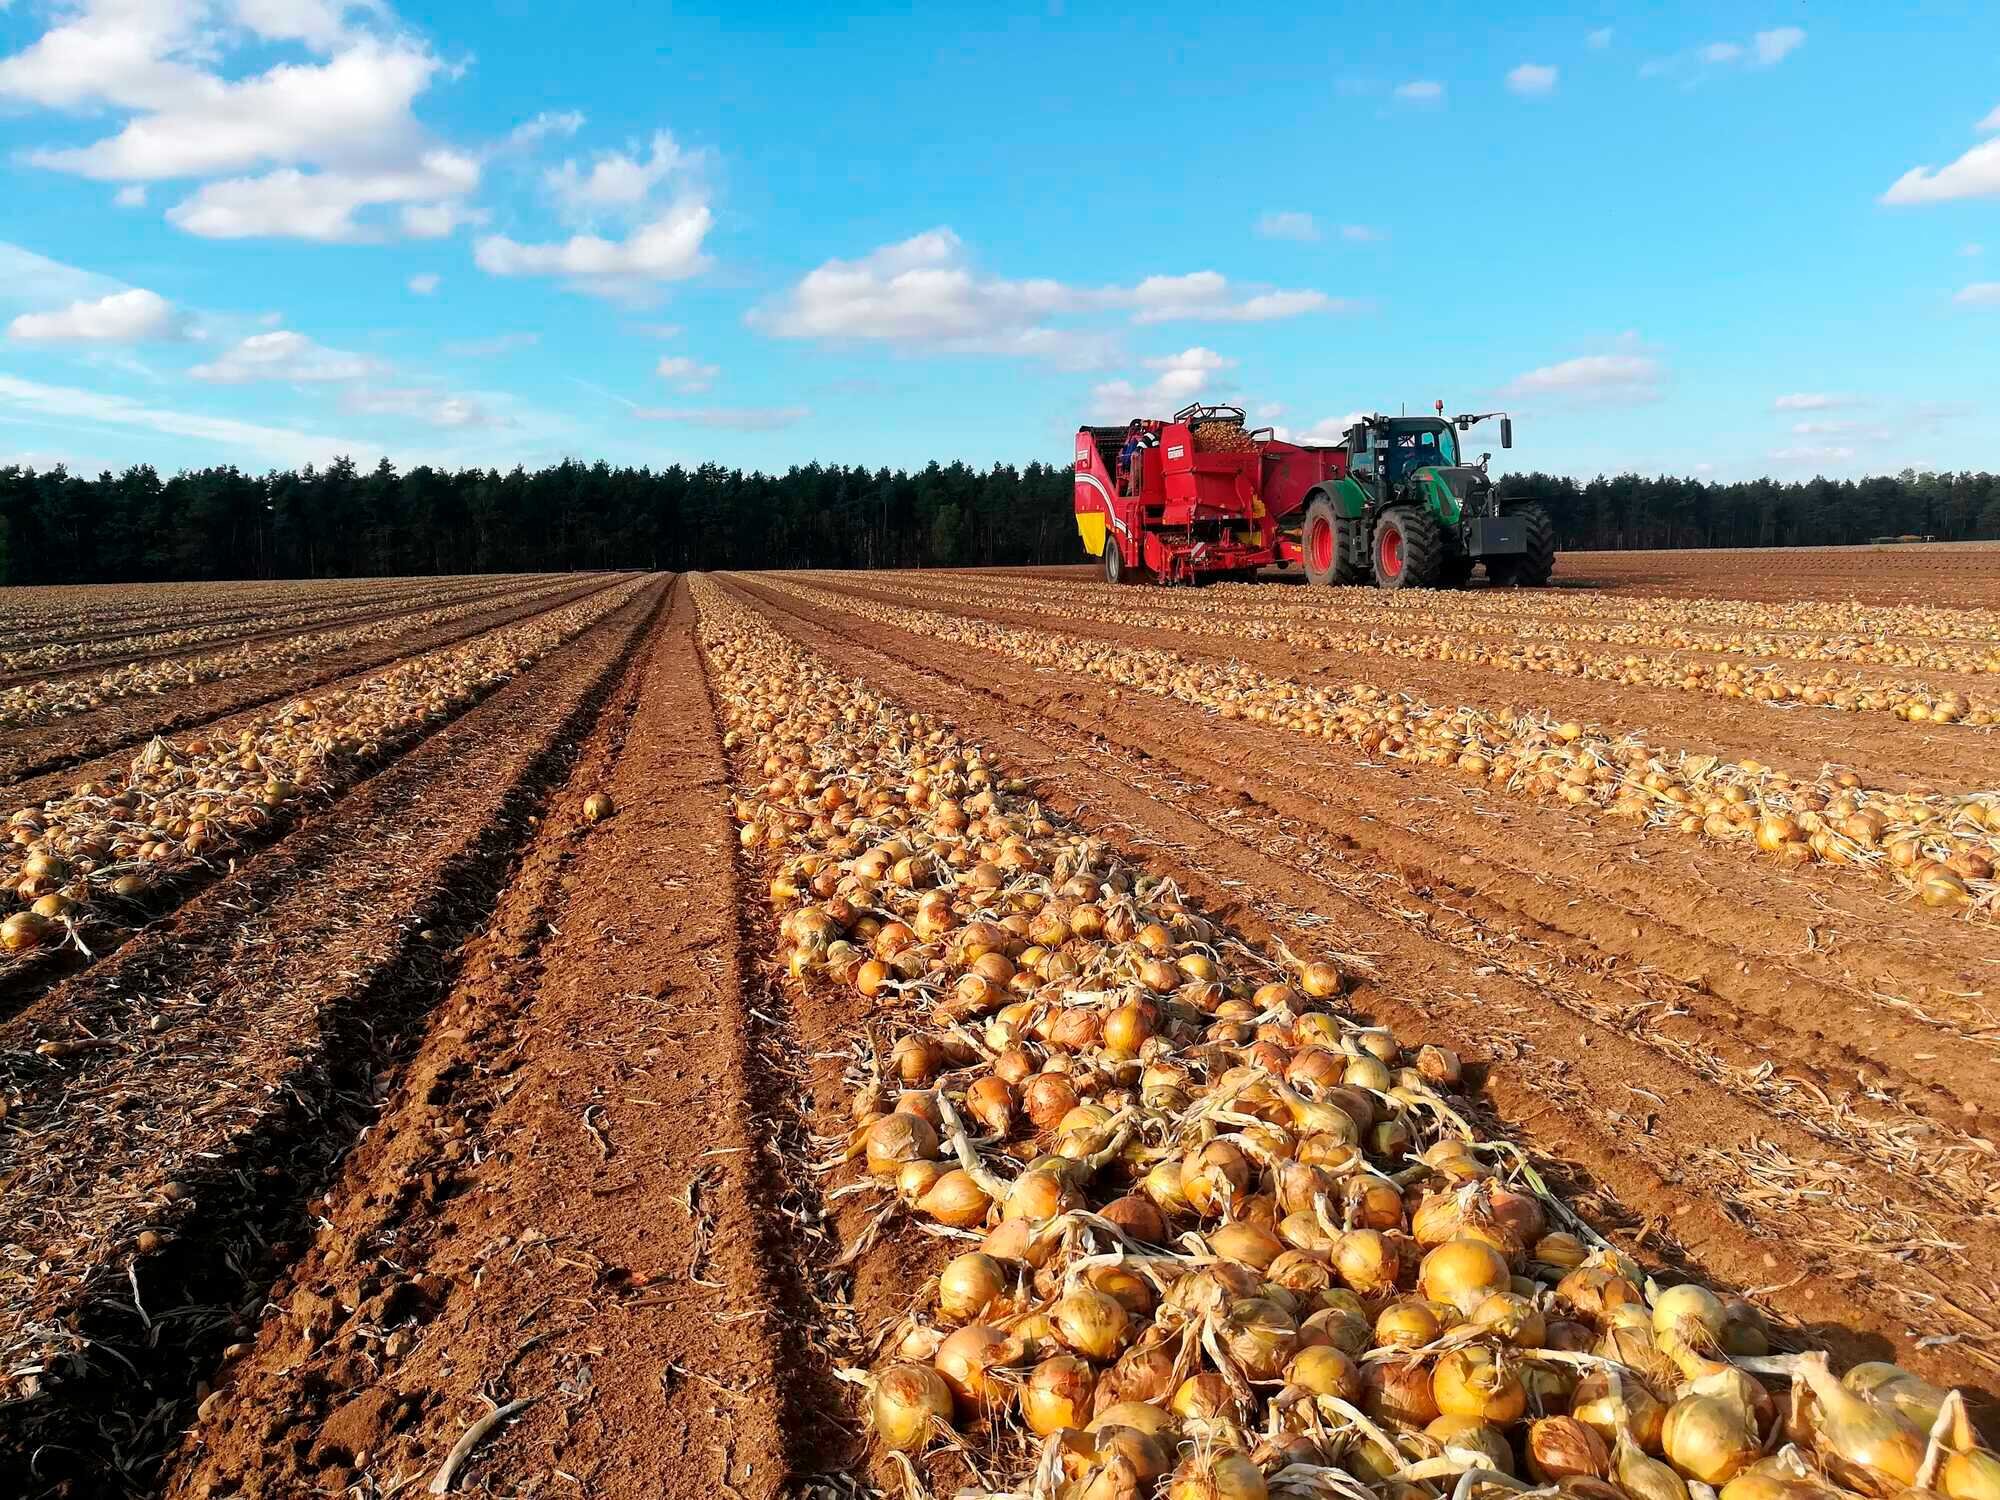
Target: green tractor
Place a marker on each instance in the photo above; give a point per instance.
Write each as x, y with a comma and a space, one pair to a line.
1408, 512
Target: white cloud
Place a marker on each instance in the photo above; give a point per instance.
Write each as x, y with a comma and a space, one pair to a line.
119, 318
1979, 294
617, 182
734, 418
1288, 226
1329, 429
130, 196
1812, 401
547, 124
486, 348
424, 283
323, 205
1974, 175
659, 330
1594, 377
688, 375
1774, 46
1873, 432
1763, 50
1599, 39
923, 292
1362, 234
278, 444
1420, 91
283, 354
1972, 247
1532, 79
333, 135
1177, 380
1809, 455
434, 408
668, 248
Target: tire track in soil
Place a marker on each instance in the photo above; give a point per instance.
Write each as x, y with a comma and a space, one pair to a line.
1779, 947
246, 1043
1664, 1156
39, 761
588, 1188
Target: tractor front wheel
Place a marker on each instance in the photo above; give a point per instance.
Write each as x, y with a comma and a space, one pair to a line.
1114, 561
1408, 549
1533, 568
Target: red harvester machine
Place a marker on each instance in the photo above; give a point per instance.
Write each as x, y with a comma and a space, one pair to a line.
1391, 503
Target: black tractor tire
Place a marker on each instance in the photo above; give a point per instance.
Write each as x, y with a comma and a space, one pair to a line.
1335, 547
1115, 570
1531, 569
1408, 549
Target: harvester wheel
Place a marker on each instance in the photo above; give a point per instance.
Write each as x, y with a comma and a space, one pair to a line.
1114, 561
1533, 568
1408, 549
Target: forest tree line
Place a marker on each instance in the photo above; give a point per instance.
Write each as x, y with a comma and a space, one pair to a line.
343, 521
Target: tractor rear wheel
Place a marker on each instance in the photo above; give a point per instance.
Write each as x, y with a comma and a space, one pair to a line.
1408, 549
1335, 547
1533, 568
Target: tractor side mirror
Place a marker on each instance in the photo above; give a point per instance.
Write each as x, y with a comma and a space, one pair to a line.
1506, 432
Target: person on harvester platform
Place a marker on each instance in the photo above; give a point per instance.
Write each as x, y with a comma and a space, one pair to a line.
1128, 460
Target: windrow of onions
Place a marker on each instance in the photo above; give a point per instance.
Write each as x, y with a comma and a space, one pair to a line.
1920, 637
1209, 1236
48, 699
1941, 847
1656, 665
100, 856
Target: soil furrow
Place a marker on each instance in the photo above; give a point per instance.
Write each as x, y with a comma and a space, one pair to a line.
162, 1176
1581, 1073
592, 1172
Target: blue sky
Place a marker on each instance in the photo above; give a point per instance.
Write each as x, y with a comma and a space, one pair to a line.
1714, 240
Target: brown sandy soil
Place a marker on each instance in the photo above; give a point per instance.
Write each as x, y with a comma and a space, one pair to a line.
1884, 751
1689, 1059
578, 1193
38, 760
1958, 575
227, 1057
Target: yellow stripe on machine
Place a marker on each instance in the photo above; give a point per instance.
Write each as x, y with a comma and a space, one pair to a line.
1090, 526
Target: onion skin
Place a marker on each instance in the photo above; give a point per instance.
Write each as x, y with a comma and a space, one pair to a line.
908, 1404
1058, 1394
970, 1285
1464, 1273
1563, 1448
1710, 1438
1471, 1382
964, 1359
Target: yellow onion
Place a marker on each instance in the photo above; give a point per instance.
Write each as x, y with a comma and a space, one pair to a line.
1884, 1384
1609, 1406
1396, 1390
966, 1359
1092, 1323
1245, 1242
1127, 1285
910, 1403
1513, 1318
1971, 1475
969, 1285
1366, 1261
1205, 1397
1219, 1474
1564, 1251
1691, 1314
1407, 1323
1641, 1477
1464, 1273
1709, 1438
898, 1138
1325, 1371
1473, 1382
1858, 1431
1148, 1417
1563, 1448
1260, 1336
1057, 1394
1469, 1435
955, 1199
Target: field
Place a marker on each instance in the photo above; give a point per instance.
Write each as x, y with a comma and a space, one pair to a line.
568, 1035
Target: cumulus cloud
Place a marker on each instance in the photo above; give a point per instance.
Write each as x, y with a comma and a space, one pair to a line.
1979, 294
1531, 79
667, 248
1765, 49
424, 283
1420, 91
1976, 174
127, 317
617, 181
924, 292
283, 354
131, 196
685, 374
734, 418
299, 147
323, 205
1768, 47
1288, 226
1617, 378
546, 125
1810, 455
1178, 379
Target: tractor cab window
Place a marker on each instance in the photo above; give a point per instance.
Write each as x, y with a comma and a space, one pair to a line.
1410, 451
